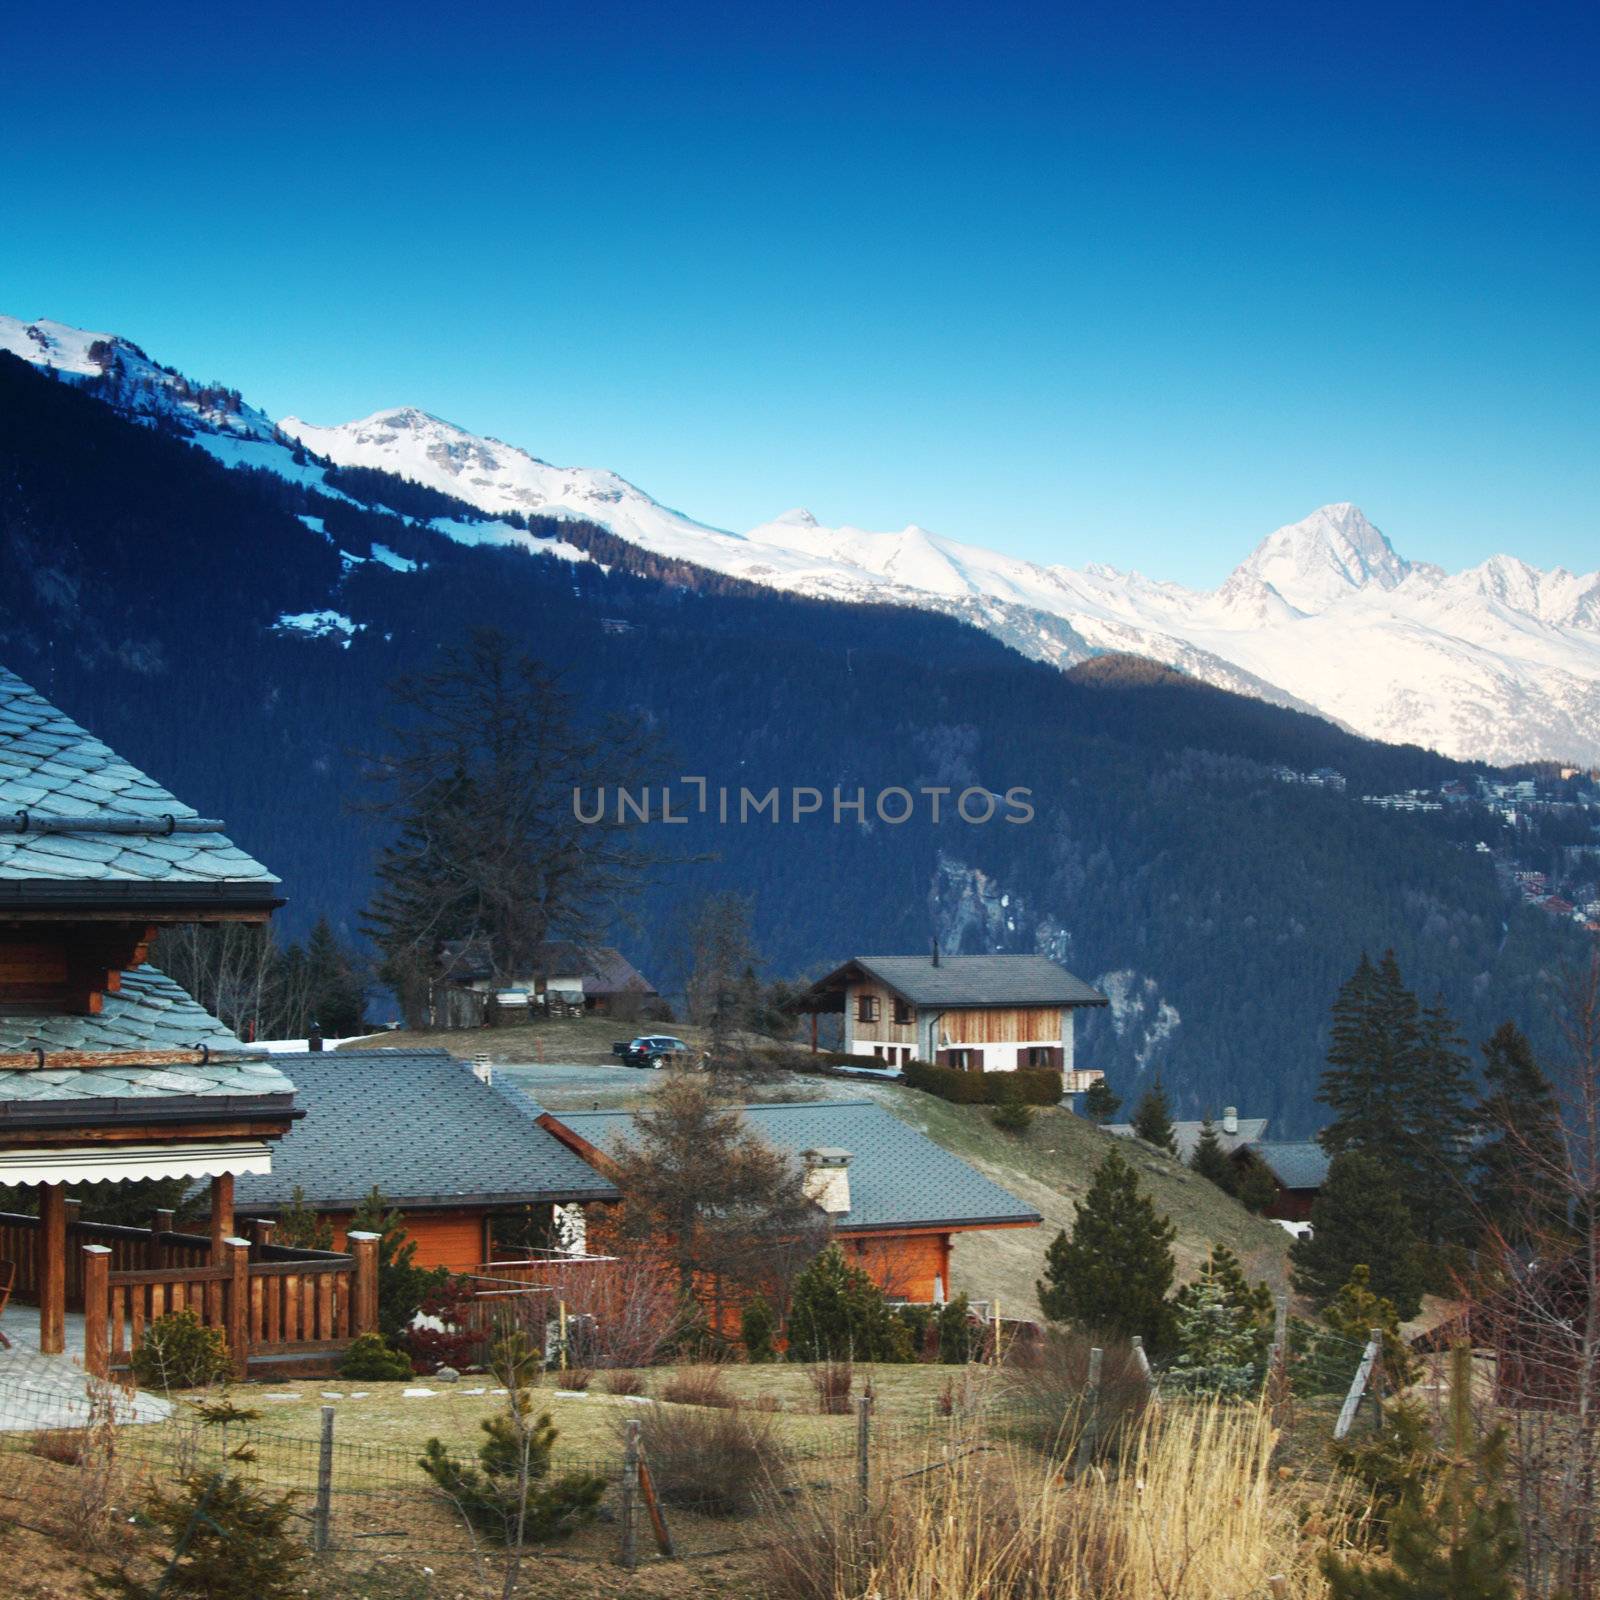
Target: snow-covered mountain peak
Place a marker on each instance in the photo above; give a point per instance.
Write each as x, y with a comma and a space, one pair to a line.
798, 517
1319, 560
132, 382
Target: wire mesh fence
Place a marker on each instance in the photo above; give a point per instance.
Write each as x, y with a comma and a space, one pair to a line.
700, 1481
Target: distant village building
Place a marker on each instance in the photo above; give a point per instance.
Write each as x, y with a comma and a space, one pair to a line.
1299, 1168
563, 979
972, 1013
1233, 1132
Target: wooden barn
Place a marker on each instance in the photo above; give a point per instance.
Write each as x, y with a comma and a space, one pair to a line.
973, 1013
1299, 1168
893, 1199
475, 1180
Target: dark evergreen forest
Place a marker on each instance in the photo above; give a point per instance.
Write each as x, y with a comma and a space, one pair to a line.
140, 581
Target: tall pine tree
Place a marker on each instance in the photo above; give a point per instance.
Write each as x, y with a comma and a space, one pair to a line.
1516, 1167
1210, 1162
1112, 1274
1437, 1130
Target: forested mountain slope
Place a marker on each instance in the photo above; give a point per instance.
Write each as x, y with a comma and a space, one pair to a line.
234, 633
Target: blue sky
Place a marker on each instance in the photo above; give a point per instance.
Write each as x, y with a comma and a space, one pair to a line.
1086, 282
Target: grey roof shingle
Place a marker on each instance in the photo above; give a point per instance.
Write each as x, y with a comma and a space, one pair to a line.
1013, 980
898, 1177
419, 1126
51, 767
150, 1012
1299, 1164
1187, 1134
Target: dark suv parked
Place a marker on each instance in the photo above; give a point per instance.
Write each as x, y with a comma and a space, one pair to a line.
651, 1050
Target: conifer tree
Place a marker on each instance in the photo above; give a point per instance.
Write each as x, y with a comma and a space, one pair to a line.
1210, 1161
1359, 1219
1152, 1119
1515, 1168
1214, 1345
1252, 1301
1436, 1129
335, 994
1099, 1103
1257, 1189
1112, 1274
1370, 1062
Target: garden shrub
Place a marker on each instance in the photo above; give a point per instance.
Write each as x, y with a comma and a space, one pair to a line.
698, 1386
832, 1381
454, 1344
718, 1463
1048, 1380
757, 1325
1032, 1086
836, 1312
179, 1352
960, 1338
372, 1359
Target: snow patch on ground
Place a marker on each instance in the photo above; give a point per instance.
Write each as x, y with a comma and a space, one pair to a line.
320, 625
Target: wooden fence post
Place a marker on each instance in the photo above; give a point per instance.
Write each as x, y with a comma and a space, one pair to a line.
630, 1496
324, 1511
863, 1455
364, 1247
261, 1230
238, 1264
1358, 1385
1280, 1326
1091, 1405
96, 1309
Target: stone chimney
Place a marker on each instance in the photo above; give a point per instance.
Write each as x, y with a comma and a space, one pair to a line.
1230, 1119
482, 1070
828, 1178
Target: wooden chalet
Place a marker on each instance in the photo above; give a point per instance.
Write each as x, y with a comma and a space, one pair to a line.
445, 1148
892, 1198
109, 1072
1299, 1168
564, 979
973, 1013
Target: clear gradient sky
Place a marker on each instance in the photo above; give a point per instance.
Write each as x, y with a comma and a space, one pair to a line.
1086, 282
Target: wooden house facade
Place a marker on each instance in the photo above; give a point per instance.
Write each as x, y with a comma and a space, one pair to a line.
109, 1072
972, 1013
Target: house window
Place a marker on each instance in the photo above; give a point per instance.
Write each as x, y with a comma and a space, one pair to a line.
902, 1012
965, 1060
866, 1008
1041, 1055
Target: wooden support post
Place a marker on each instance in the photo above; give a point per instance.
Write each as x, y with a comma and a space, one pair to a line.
364, 1247
323, 1515
221, 1215
96, 1309
630, 1496
1142, 1361
261, 1229
863, 1455
1358, 1386
1090, 1425
658, 1513
52, 1268
238, 1251
69, 1227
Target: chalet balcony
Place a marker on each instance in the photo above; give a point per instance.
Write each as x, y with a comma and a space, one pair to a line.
272, 1302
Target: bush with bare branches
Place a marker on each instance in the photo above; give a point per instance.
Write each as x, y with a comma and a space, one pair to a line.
720, 1463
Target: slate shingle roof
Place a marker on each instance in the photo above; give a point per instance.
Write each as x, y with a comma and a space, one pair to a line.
50, 767
898, 1177
421, 1127
1295, 1164
1013, 980
150, 1013
1187, 1134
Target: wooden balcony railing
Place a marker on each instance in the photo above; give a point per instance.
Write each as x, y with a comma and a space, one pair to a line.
269, 1300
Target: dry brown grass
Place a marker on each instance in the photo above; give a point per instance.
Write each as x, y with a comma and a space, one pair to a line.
1197, 1512
832, 1381
697, 1386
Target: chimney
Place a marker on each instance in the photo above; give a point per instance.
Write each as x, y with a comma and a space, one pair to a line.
482, 1070
1230, 1119
828, 1178
936, 952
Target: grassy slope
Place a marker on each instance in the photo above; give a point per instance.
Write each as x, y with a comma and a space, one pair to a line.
1051, 1168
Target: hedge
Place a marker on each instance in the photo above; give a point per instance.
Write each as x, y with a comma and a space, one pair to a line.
1034, 1086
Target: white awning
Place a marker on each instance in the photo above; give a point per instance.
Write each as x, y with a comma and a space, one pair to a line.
119, 1163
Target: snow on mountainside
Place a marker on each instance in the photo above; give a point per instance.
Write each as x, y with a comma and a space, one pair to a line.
1501, 662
